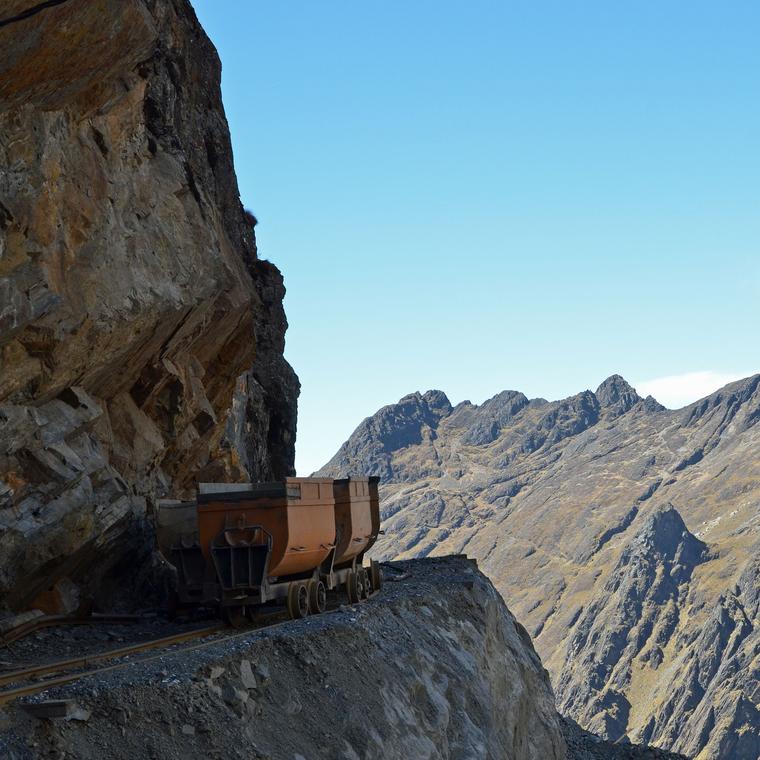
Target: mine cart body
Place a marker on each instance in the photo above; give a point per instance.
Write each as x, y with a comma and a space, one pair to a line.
374, 506
241, 545
297, 515
357, 518
257, 538
174, 520
177, 538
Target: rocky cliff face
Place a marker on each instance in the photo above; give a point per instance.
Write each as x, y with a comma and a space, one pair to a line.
623, 535
141, 337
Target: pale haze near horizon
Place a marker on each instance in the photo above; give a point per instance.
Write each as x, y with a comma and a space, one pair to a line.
529, 196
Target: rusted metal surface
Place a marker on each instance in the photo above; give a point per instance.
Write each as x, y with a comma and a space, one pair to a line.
250, 543
298, 514
357, 517
374, 506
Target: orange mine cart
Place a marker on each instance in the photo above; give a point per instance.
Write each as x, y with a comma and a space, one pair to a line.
242, 545
297, 515
356, 524
374, 508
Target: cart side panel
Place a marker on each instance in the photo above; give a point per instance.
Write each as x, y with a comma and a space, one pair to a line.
353, 516
299, 517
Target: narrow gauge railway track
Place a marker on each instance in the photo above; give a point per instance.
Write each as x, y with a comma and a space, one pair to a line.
17, 676
34, 671
48, 621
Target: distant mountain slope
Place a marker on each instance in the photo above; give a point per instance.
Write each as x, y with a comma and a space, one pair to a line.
625, 536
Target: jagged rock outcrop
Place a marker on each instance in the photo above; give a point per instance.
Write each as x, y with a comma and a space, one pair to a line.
434, 667
631, 617
616, 396
141, 337
411, 421
623, 535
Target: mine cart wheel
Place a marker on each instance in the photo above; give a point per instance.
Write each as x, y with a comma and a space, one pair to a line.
298, 600
251, 612
363, 583
368, 588
353, 587
376, 575
234, 616
317, 597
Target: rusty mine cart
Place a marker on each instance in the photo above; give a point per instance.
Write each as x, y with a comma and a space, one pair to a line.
242, 545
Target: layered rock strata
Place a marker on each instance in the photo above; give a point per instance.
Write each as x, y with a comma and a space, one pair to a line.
141, 337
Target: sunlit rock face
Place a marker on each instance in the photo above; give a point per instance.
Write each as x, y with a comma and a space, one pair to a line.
141, 337
624, 536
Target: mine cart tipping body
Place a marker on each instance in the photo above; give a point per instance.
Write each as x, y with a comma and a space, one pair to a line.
256, 543
357, 525
355, 528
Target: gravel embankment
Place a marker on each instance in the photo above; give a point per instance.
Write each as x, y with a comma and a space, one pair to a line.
433, 667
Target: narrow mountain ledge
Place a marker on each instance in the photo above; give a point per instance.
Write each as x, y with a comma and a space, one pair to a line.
434, 666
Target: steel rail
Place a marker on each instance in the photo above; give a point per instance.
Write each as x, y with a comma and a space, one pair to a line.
89, 659
24, 691
47, 621
34, 688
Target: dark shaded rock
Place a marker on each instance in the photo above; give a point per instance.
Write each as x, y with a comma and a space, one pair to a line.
629, 617
651, 405
571, 417
583, 745
492, 416
394, 427
616, 396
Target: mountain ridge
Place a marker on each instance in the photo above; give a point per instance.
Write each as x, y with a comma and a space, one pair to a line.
551, 496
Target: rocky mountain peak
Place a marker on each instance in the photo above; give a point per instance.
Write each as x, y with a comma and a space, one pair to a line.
741, 396
630, 620
651, 404
408, 422
665, 534
437, 401
617, 394
429, 408
490, 417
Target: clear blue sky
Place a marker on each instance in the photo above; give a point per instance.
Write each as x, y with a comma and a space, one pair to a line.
489, 195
